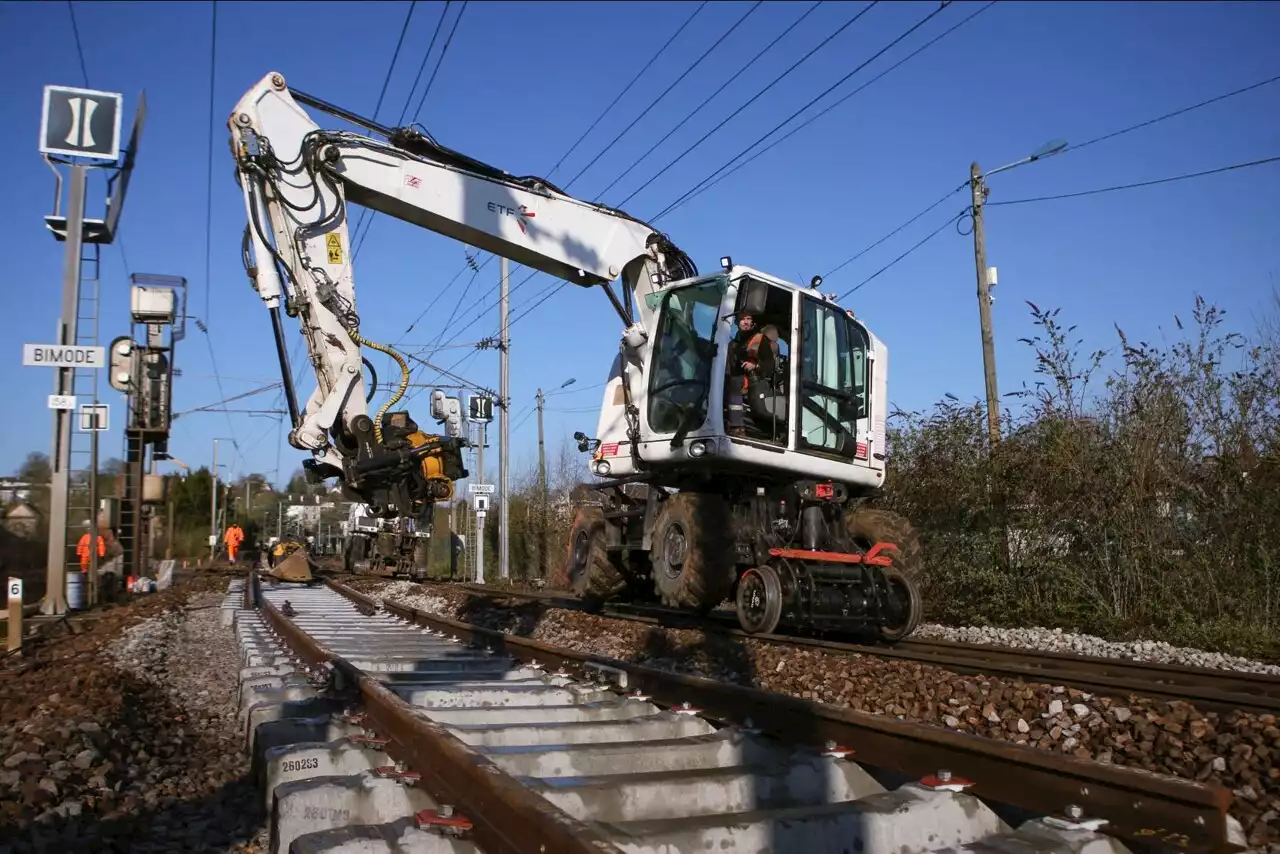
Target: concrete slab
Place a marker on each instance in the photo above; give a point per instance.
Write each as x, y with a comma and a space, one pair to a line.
907, 820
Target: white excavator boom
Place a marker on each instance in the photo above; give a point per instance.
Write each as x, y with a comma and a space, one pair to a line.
297, 181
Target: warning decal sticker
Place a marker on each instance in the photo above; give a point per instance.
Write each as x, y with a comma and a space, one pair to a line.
333, 243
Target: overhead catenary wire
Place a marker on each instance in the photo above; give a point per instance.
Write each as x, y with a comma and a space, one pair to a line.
440, 60
689, 69
720, 124
563, 157
752, 59
842, 99
75, 31
926, 19
812, 51
627, 88
208, 218
666, 91
386, 81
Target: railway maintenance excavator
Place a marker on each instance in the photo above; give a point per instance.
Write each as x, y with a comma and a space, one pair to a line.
774, 513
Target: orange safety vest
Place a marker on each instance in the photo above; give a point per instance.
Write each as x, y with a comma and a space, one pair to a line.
83, 549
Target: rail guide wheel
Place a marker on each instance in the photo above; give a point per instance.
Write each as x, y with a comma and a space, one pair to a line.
759, 600
903, 610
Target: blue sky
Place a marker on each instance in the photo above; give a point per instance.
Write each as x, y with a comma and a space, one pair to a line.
522, 81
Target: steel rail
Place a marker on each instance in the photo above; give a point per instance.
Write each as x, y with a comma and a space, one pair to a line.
1138, 806
506, 817
1208, 689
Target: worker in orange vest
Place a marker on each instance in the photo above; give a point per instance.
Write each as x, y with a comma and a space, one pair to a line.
82, 549
233, 538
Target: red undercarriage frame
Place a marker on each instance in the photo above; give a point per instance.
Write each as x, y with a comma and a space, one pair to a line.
873, 557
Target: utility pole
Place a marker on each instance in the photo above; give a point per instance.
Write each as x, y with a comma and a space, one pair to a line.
213, 505
979, 191
504, 430
480, 427
55, 596
542, 494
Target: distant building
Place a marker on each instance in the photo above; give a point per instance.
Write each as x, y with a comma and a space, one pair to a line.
12, 489
22, 520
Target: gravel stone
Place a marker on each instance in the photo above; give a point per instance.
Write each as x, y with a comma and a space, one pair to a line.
1237, 751
114, 746
1056, 640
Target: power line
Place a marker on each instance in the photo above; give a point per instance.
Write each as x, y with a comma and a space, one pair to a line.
1075, 195
545, 295
825, 110
853, 258
208, 210
752, 59
667, 91
895, 261
386, 81
813, 101
720, 124
1171, 115
84, 70
395, 55
440, 60
1105, 136
422, 66
485, 263
743, 106
1168, 180
626, 89
208, 217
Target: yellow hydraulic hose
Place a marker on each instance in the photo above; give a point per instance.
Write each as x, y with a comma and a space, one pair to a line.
404, 379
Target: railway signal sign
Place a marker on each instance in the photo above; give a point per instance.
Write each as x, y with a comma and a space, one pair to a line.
62, 401
81, 123
63, 356
94, 417
480, 488
480, 408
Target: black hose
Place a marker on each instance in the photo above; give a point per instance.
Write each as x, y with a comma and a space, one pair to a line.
373, 380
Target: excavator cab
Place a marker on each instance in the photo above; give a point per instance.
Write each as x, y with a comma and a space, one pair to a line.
773, 516
813, 398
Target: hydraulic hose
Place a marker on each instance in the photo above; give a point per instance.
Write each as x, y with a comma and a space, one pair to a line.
404, 379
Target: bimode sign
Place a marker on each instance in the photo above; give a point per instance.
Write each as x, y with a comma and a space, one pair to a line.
64, 356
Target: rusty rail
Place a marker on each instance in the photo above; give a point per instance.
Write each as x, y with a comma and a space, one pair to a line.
1209, 690
1139, 806
506, 817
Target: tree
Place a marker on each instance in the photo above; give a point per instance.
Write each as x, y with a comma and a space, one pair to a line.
298, 484
36, 468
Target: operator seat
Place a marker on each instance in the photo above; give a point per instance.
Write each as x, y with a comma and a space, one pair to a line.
767, 405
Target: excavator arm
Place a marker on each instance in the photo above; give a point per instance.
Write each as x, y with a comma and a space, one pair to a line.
298, 181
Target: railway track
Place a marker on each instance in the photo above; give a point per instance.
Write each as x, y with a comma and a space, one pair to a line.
1219, 691
389, 729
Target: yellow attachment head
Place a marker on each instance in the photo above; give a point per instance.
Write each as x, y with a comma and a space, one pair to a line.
433, 467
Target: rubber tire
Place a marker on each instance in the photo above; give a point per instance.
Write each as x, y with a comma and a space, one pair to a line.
867, 526
915, 604
355, 553
773, 600
708, 571
594, 577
